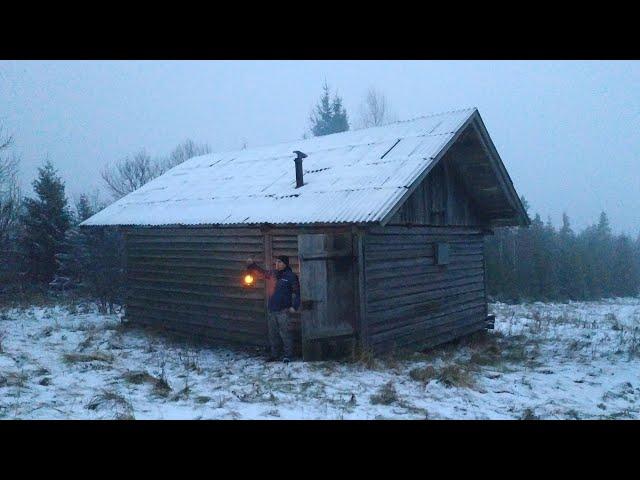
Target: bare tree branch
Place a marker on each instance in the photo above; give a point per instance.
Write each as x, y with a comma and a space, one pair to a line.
130, 174
9, 195
374, 110
183, 152
8, 165
4, 144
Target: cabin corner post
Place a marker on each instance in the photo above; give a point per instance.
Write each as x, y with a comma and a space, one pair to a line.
484, 274
124, 232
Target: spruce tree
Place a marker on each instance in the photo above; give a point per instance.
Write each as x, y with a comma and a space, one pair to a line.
93, 260
625, 278
45, 220
550, 265
550, 261
602, 257
84, 209
571, 281
340, 120
538, 254
523, 248
328, 116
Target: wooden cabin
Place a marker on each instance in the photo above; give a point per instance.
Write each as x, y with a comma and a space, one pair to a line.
384, 227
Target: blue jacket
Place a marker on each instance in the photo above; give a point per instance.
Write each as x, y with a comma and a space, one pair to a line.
286, 286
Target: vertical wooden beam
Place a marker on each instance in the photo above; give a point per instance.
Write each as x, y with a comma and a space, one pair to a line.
268, 254
484, 274
363, 322
127, 290
312, 249
449, 197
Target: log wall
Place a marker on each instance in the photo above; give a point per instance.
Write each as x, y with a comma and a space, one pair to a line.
189, 280
409, 300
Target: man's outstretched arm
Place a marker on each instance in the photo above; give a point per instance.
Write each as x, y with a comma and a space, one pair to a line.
254, 267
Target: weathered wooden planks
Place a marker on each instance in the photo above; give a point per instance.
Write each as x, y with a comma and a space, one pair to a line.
409, 299
439, 200
327, 282
430, 338
189, 280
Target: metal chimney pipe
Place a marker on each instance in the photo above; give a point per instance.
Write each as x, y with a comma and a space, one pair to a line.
298, 160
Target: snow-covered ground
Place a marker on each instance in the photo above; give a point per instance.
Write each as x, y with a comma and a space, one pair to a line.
576, 360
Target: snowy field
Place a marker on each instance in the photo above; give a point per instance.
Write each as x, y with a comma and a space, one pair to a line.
551, 361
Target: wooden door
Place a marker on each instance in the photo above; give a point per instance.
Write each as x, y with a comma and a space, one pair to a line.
327, 272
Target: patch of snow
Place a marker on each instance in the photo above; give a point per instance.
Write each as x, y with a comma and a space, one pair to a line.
544, 360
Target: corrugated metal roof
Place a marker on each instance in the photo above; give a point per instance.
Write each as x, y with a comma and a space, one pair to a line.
350, 177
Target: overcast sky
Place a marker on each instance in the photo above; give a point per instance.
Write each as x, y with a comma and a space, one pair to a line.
567, 131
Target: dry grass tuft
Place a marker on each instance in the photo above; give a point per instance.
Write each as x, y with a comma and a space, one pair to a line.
14, 379
120, 406
182, 394
485, 348
71, 358
160, 385
86, 343
220, 401
528, 414
139, 377
455, 375
613, 320
365, 358
386, 395
424, 374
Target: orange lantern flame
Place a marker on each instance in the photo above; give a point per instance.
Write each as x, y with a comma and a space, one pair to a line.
248, 279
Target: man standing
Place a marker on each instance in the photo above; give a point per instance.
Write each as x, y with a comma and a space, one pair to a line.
284, 297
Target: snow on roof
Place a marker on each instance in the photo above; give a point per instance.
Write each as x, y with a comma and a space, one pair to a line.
350, 177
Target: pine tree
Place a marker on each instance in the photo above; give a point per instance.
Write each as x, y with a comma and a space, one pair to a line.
102, 266
69, 260
340, 120
625, 278
571, 281
84, 209
604, 228
603, 257
92, 260
523, 248
537, 257
45, 222
550, 261
550, 265
328, 116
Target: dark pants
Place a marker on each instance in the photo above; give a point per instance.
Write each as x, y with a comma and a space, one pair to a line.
279, 334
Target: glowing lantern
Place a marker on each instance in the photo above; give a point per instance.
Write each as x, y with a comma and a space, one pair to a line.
248, 280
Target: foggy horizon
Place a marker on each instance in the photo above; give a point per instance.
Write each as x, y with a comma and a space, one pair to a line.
567, 131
